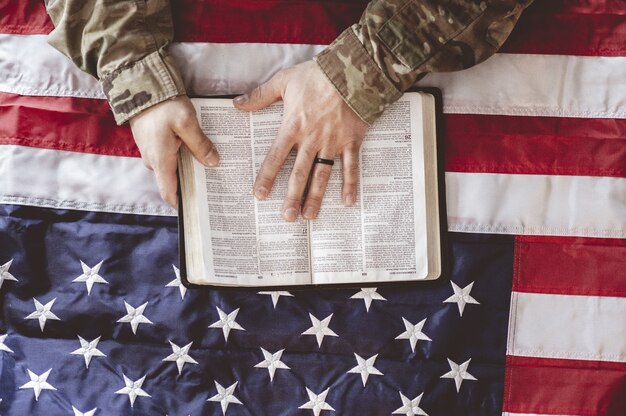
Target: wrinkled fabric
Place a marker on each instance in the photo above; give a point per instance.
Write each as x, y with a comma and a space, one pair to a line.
137, 254
397, 41
122, 43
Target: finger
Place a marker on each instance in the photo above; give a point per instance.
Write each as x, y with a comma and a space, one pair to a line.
273, 163
165, 173
200, 146
297, 183
263, 95
350, 170
317, 187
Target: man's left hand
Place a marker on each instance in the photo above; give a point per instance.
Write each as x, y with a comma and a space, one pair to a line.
317, 123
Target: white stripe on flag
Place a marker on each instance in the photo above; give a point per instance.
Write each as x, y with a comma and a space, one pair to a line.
537, 85
83, 181
591, 206
567, 327
477, 202
208, 68
505, 84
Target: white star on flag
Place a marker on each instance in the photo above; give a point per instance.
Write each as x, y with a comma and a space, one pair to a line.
43, 313
413, 333
4, 273
365, 367
317, 402
368, 294
458, 373
410, 407
38, 383
90, 276
225, 396
91, 412
272, 362
134, 316
3, 346
177, 283
276, 294
88, 350
320, 329
461, 297
227, 322
180, 355
133, 389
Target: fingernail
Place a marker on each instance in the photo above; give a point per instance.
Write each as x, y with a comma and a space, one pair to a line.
309, 213
241, 99
260, 193
212, 158
348, 200
290, 214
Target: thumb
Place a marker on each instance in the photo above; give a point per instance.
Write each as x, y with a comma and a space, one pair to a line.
263, 95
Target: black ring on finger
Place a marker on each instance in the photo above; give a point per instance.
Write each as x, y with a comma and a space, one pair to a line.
323, 161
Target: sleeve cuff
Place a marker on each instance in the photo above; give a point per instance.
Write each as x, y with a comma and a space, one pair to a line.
142, 84
361, 83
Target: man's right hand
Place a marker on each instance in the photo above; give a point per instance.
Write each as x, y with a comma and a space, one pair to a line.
160, 130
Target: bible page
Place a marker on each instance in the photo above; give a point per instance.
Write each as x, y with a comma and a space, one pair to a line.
383, 236
242, 243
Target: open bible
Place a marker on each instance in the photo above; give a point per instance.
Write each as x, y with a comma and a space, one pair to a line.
391, 233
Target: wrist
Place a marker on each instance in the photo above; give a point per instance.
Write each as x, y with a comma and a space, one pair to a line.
356, 77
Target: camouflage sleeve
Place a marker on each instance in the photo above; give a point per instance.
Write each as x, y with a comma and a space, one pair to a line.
123, 44
397, 41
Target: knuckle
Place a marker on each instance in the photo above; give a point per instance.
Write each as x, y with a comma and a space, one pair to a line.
291, 201
322, 173
307, 152
299, 174
280, 76
185, 120
314, 200
257, 93
348, 190
349, 181
291, 127
272, 159
352, 170
354, 146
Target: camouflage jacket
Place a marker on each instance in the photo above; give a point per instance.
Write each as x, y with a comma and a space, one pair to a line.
124, 44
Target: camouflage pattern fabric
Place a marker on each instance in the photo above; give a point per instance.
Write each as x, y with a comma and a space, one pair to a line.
124, 44
398, 41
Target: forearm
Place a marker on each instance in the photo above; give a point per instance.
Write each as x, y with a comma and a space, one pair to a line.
397, 41
124, 45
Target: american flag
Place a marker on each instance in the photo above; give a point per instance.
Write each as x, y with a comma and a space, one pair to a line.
530, 320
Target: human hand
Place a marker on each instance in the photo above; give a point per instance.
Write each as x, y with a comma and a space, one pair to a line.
160, 130
318, 123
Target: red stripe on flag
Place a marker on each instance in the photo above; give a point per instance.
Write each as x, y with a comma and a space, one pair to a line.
570, 387
475, 143
24, 17
270, 21
584, 27
294, 21
535, 145
570, 266
80, 124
